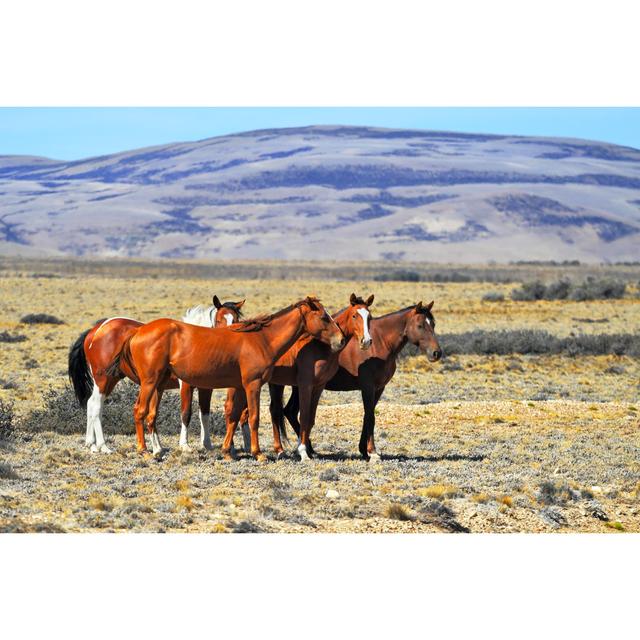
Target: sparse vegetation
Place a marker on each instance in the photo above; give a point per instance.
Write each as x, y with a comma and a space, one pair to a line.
7, 337
532, 341
590, 289
40, 318
397, 511
6, 420
465, 447
493, 296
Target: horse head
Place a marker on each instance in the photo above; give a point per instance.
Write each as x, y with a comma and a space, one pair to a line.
359, 320
420, 331
226, 312
319, 324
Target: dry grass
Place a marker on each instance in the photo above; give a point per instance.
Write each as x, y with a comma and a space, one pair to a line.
480, 443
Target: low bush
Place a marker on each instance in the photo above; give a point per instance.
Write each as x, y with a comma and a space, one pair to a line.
398, 276
62, 414
590, 289
40, 318
493, 296
6, 420
533, 341
5, 336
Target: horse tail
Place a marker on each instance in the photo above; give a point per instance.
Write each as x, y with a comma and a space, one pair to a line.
79, 372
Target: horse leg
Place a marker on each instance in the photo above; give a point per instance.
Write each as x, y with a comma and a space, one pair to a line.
204, 401
374, 456
305, 392
252, 391
186, 398
315, 399
246, 432
369, 420
140, 410
152, 416
233, 408
95, 437
291, 410
276, 392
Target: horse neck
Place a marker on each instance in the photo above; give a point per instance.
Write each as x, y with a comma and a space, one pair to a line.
282, 332
391, 331
342, 320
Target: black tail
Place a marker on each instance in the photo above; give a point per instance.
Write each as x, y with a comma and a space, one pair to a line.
79, 373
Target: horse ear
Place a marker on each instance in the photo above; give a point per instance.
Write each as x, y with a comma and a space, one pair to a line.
216, 302
370, 300
353, 299
419, 307
312, 302
430, 305
237, 305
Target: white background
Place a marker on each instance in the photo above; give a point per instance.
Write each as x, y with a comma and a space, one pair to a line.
401, 53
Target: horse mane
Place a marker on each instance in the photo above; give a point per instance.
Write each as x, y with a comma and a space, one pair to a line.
425, 311
260, 322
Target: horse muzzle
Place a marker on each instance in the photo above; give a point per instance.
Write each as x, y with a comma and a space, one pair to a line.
365, 344
337, 343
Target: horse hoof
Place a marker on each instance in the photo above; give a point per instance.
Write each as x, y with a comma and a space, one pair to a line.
281, 455
262, 458
229, 456
185, 447
206, 445
374, 458
100, 449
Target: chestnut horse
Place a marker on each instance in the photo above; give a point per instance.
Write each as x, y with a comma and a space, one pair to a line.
95, 348
242, 355
308, 365
370, 371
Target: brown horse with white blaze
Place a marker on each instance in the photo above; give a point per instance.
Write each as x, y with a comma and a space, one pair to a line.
370, 371
96, 348
242, 355
308, 365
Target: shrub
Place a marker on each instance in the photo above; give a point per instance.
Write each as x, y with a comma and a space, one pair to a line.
6, 420
62, 414
5, 336
532, 341
398, 276
493, 296
397, 512
590, 289
593, 289
529, 291
40, 318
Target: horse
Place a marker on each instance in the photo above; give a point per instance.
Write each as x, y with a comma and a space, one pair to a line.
96, 347
241, 355
370, 371
308, 365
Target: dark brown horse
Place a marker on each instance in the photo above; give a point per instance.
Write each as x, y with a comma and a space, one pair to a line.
370, 371
95, 348
308, 365
242, 355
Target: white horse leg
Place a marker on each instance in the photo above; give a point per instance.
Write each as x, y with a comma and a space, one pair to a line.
184, 437
246, 437
205, 430
302, 452
94, 422
156, 447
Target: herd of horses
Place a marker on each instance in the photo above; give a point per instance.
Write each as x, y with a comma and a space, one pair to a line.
301, 346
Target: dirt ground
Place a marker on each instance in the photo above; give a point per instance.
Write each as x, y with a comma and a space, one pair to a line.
474, 443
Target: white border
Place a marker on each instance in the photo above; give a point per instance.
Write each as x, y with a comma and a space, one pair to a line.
293, 53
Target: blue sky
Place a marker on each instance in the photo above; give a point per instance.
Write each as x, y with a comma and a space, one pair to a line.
74, 133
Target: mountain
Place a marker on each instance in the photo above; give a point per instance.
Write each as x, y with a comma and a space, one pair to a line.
332, 192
